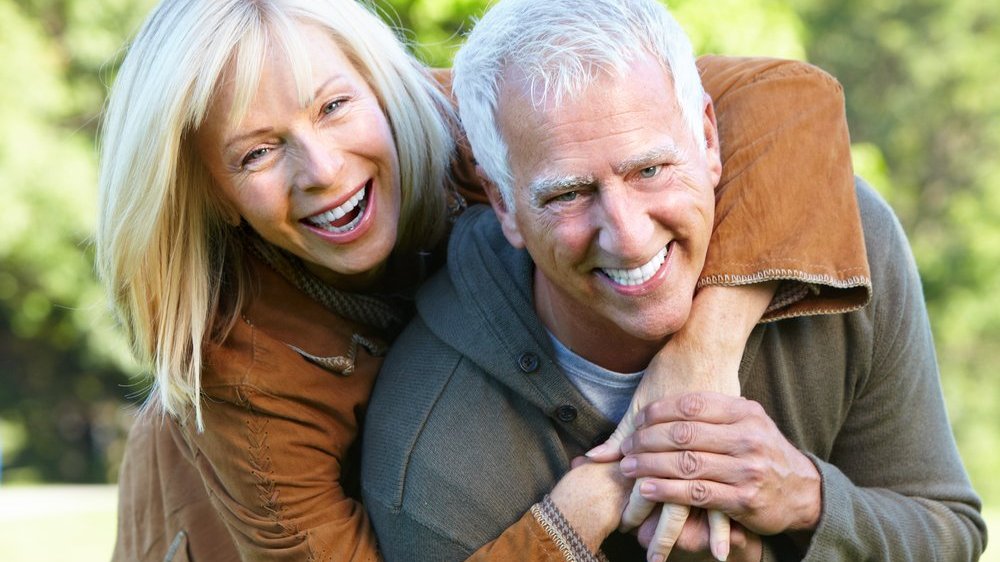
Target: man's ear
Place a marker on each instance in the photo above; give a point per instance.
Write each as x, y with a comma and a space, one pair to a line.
505, 215
713, 152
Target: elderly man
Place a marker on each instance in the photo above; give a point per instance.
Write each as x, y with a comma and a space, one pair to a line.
589, 121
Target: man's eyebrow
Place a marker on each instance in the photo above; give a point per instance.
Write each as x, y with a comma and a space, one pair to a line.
659, 155
542, 189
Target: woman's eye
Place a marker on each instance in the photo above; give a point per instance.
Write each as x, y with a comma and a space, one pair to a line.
649, 172
254, 155
331, 106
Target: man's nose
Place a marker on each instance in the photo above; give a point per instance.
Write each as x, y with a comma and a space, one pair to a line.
625, 226
320, 162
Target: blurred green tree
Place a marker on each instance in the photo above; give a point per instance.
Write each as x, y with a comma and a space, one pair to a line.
918, 77
60, 403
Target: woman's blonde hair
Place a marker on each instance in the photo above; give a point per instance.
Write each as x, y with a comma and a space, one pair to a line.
163, 246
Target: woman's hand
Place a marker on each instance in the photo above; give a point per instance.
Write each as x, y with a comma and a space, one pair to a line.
704, 355
692, 543
591, 497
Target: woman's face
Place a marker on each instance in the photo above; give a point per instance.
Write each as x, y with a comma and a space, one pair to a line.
320, 180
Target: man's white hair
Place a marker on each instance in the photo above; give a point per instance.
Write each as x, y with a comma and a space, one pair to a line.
559, 48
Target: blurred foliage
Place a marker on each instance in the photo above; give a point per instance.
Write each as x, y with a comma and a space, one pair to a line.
63, 366
919, 78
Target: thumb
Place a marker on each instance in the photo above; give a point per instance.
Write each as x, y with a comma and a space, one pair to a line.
611, 450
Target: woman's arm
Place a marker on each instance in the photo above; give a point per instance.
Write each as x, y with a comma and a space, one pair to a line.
785, 210
785, 205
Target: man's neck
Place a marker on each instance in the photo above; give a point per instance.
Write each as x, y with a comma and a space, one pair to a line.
592, 337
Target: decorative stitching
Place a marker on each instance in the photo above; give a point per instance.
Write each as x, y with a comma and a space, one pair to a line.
790, 275
344, 364
569, 542
261, 468
552, 532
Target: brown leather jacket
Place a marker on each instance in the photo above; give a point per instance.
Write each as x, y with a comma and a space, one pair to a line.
276, 463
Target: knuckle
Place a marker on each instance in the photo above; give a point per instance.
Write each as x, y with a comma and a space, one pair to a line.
699, 492
755, 409
689, 464
682, 433
653, 412
663, 545
676, 515
753, 473
691, 404
749, 500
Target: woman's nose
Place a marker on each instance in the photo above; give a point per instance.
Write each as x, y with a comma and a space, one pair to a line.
319, 163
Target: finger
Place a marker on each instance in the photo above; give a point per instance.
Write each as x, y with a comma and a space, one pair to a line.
636, 510
711, 407
683, 435
644, 534
696, 493
578, 461
668, 528
718, 533
610, 450
682, 465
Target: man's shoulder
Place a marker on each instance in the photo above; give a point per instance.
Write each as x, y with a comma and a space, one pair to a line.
417, 367
877, 218
892, 265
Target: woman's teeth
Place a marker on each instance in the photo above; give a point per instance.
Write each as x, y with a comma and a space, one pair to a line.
327, 220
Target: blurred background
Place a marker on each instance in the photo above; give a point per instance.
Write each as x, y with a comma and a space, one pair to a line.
922, 99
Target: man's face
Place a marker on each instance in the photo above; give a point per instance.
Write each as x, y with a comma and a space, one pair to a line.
614, 200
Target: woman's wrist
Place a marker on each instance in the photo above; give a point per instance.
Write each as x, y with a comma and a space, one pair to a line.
591, 498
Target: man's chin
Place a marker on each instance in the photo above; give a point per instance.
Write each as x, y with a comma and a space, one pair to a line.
657, 327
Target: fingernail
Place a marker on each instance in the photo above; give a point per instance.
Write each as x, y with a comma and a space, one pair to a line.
629, 465
720, 550
640, 418
646, 488
598, 450
627, 445
657, 558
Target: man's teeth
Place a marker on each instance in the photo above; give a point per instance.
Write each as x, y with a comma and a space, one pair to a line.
325, 220
638, 275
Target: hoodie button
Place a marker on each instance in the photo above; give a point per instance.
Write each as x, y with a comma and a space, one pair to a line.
528, 362
566, 413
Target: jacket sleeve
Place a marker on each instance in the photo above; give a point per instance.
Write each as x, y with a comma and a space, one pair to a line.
538, 536
277, 452
785, 206
894, 487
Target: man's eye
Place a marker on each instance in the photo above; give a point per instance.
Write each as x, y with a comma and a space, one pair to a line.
649, 172
254, 155
565, 197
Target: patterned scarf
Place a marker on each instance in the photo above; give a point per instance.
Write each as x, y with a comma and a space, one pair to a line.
387, 314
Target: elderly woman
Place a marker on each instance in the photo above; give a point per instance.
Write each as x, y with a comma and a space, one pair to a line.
277, 178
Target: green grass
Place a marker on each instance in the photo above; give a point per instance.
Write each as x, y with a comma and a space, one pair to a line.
58, 523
